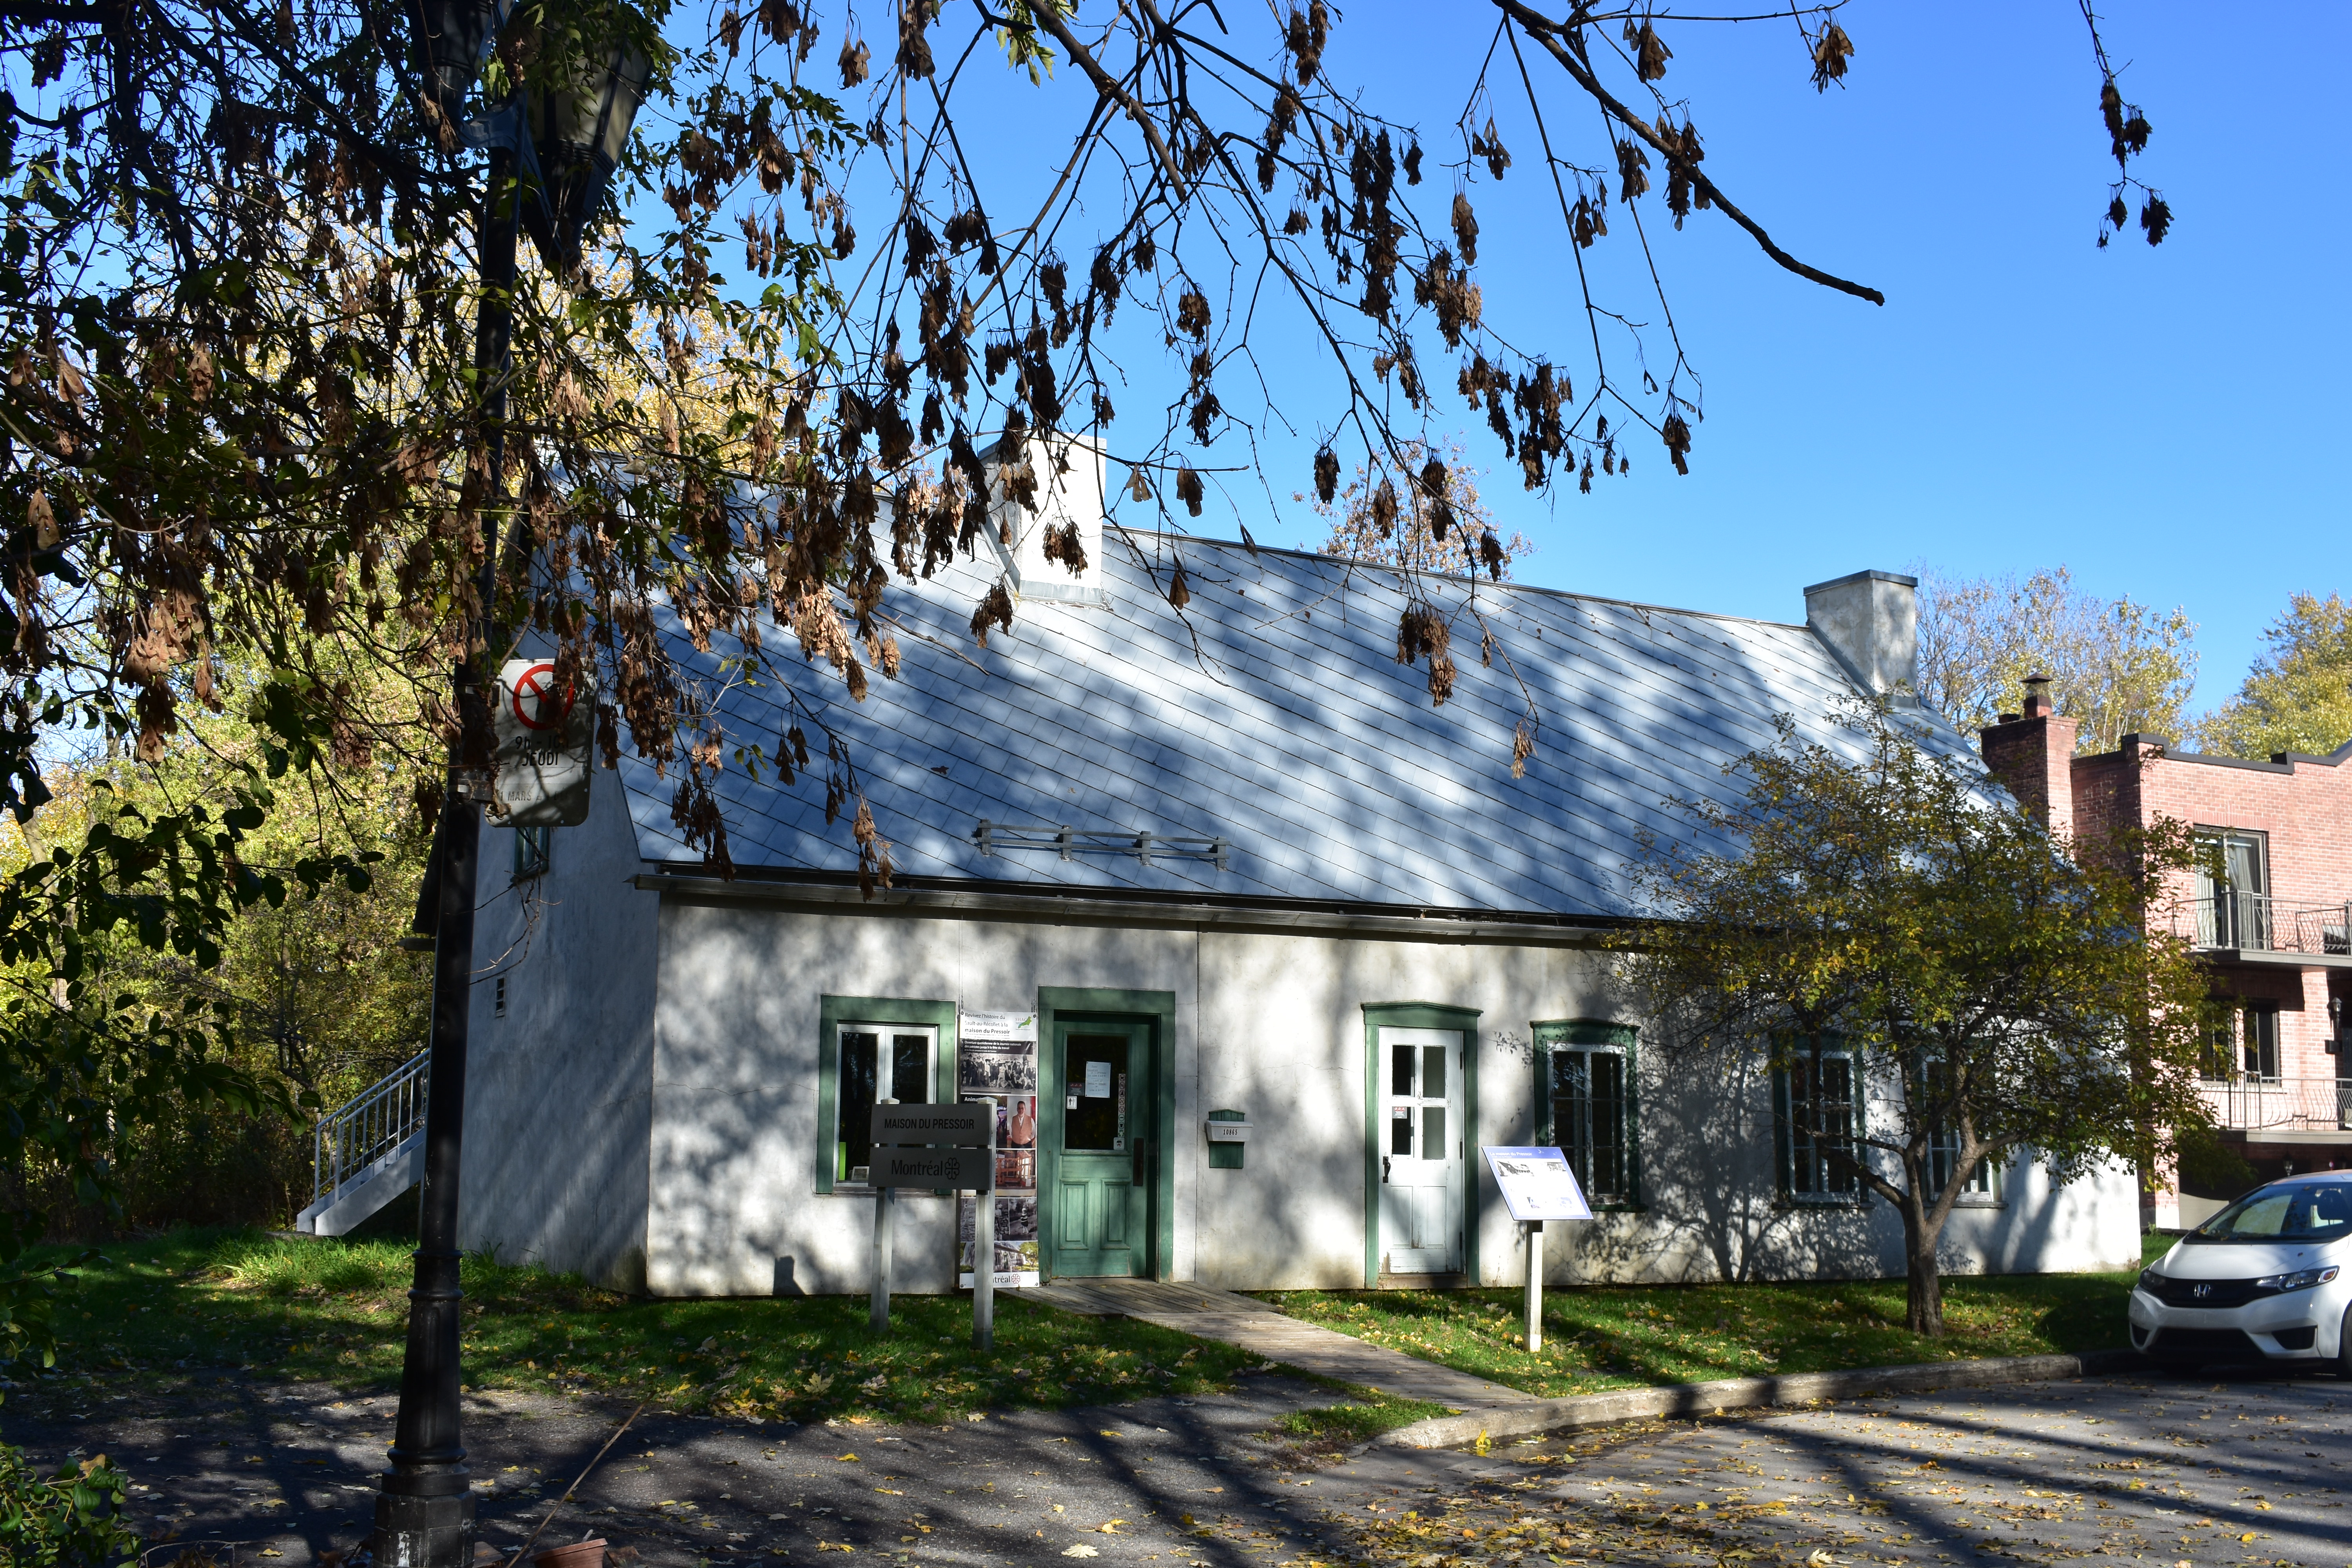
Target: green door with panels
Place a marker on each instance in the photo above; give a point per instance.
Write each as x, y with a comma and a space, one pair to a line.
1098, 1218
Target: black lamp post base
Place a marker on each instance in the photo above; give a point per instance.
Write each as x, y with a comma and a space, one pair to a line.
424, 1532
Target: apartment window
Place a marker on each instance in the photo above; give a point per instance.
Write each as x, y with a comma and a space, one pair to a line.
875, 1062
2241, 1042
532, 847
2258, 1040
2234, 906
1816, 1121
1586, 1105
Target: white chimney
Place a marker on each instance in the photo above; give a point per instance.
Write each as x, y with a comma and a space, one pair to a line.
1068, 474
1870, 622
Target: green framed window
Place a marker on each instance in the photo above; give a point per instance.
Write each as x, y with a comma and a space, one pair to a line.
871, 1048
1588, 1105
1983, 1185
1816, 1126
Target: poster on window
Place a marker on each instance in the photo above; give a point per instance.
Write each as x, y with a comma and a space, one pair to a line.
997, 1063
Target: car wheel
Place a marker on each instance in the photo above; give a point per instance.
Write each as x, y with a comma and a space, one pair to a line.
2343, 1347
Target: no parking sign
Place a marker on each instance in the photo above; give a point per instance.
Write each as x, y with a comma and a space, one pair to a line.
545, 730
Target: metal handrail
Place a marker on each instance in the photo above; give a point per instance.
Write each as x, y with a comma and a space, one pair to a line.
375, 1123
2251, 1104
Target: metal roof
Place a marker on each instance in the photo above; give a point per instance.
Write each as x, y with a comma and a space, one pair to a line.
1273, 715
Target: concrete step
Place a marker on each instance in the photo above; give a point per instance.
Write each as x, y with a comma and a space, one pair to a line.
366, 1191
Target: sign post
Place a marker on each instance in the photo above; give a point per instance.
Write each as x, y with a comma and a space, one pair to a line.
934, 1147
984, 1249
1537, 1185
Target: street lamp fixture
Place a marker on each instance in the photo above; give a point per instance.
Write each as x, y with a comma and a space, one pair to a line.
450, 38
579, 130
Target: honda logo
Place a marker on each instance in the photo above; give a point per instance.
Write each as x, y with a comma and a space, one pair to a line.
2200, 1289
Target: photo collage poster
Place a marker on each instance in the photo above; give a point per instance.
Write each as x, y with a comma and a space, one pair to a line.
997, 1063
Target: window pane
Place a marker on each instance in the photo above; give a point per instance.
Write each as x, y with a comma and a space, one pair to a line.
2261, 1042
1095, 1075
853, 1142
1434, 1145
1607, 1121
1433, 1073
1400, 1070
910, 1076
1401, 1130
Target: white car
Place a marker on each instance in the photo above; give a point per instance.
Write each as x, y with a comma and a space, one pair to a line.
2267, 1279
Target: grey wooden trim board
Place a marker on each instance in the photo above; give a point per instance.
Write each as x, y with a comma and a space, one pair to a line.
1206, 1312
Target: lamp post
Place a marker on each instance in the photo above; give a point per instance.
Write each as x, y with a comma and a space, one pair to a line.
424, 1509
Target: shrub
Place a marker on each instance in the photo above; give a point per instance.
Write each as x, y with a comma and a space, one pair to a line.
71, 1520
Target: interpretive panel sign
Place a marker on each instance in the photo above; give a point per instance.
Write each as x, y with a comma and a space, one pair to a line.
1537, 1184
996, 1066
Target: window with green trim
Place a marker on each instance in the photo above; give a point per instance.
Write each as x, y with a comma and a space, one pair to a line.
875, 1062
1983, 1185
1587, 1105
1816, 1119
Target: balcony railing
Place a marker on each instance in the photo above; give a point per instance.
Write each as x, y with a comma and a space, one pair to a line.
2281, 1104
2259, 922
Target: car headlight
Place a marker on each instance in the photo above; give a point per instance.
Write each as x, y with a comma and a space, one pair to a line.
2301, 1279
2151, 1282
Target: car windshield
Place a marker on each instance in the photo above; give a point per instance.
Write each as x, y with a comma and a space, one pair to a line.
2302, 1211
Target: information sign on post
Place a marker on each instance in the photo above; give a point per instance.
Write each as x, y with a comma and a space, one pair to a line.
544, 731
950, 1147
1537, 1185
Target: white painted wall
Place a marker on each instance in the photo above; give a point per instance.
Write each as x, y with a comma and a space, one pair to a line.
1265, 1023
558, 1092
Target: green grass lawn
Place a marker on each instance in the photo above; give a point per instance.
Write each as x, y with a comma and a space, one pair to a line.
158, 1313
1603, 1337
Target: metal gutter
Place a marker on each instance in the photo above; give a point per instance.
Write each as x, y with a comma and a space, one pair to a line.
966, 903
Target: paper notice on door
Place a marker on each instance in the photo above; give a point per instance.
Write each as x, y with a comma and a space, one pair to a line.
1097, 1081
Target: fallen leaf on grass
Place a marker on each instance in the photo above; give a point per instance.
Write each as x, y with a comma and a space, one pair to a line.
1112, 1527
1081, 1550
845, 1458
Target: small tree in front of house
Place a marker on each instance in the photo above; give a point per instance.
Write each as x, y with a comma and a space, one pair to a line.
1938, 983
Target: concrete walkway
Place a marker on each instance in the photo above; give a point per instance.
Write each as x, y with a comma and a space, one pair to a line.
1209, 1313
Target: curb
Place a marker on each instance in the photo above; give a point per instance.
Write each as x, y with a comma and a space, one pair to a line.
1743, 1393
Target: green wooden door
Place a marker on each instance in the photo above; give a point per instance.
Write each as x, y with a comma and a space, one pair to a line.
1100, 1211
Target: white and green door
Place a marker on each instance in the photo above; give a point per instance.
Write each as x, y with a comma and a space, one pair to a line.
1100, 1210
1423, 1145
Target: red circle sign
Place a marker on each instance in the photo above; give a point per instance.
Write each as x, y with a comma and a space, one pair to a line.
536, 704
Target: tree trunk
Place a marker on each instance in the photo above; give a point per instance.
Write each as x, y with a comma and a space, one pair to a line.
1923, 1310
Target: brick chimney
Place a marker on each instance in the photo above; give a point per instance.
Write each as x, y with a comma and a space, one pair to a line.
2033, 754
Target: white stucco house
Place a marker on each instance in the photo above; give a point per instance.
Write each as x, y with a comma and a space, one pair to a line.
1226, 863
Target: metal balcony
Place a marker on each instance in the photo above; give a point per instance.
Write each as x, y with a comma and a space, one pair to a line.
2258, 923
2280, 1105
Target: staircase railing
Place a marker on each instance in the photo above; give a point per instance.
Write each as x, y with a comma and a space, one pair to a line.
379, 1120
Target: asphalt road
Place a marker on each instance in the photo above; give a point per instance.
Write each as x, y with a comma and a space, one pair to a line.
2218, 1469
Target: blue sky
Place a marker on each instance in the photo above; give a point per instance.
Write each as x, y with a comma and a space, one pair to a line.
2163, 421
2169, 422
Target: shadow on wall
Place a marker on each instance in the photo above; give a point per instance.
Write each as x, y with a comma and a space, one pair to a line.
1711, 1209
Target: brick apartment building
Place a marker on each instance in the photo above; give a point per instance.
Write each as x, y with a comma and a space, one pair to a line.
2274, 923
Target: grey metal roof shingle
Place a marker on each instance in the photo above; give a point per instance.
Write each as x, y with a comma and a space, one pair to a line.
1291, 733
